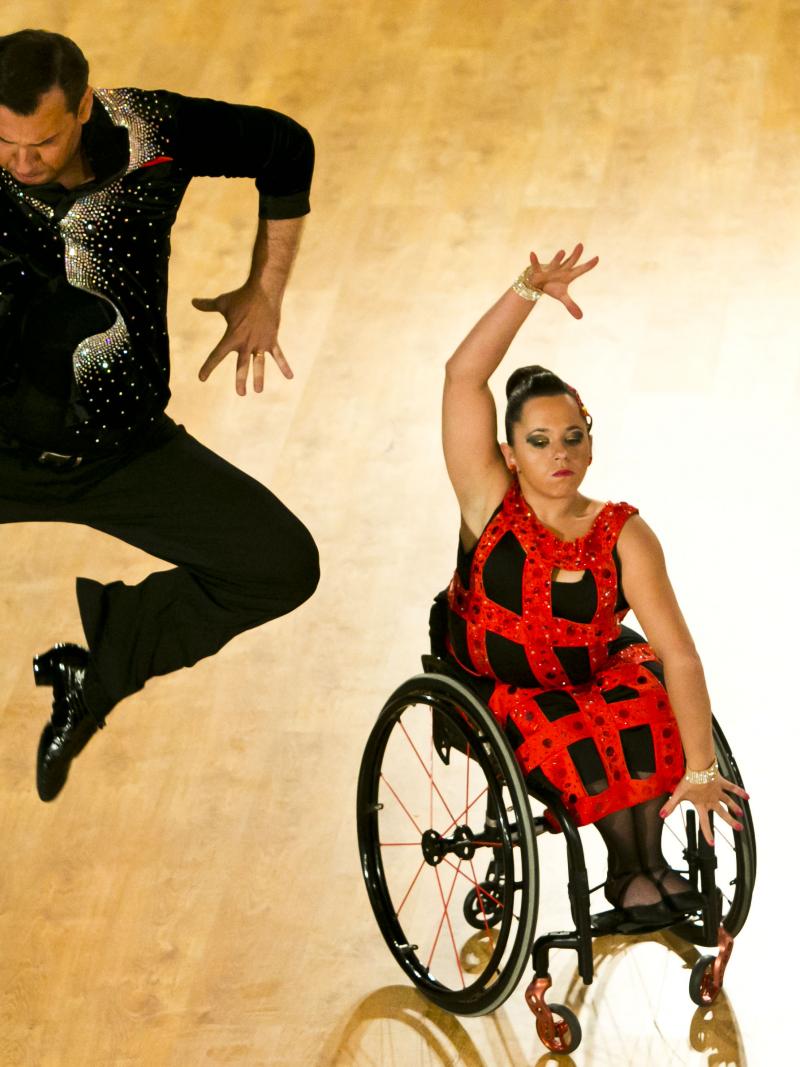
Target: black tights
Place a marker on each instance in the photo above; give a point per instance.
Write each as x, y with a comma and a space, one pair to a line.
637, 871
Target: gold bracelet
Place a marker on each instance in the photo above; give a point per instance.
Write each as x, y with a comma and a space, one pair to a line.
710, 774
521, 288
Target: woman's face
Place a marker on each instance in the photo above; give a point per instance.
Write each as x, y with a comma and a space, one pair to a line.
551, 449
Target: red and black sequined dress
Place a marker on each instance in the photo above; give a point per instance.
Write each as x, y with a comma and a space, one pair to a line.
582, 703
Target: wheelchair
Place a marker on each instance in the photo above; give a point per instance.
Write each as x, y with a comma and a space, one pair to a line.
447, 838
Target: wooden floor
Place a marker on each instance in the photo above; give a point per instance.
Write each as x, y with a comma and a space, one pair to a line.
194, 897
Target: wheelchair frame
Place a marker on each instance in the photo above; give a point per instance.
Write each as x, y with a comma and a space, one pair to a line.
482, 740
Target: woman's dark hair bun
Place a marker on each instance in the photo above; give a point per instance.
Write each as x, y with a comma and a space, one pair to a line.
533, 377
527, 382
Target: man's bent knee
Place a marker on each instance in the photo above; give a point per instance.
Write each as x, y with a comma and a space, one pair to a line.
278, 590
306, 573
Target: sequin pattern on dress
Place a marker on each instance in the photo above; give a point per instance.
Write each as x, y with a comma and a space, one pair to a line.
620, 694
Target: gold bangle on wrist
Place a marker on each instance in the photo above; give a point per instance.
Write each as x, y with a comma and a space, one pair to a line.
710, 774
521, 288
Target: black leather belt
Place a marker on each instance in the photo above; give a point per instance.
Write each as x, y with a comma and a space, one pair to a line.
58, 461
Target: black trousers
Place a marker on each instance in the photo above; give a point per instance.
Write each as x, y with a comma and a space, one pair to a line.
240, 557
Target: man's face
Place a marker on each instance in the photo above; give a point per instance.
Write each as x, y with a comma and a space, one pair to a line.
44, 146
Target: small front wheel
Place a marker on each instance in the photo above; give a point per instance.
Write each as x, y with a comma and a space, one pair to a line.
702, 985
567, 1032
483, 905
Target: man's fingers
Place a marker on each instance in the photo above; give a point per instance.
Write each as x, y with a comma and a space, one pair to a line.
258, 371
242, 369
215, 358
244, 355
280, 359
205, 303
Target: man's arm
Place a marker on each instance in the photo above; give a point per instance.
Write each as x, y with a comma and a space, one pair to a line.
216, 138
253, 312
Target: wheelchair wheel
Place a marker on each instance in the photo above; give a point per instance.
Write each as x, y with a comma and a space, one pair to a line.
447, 844
734, 854
566, 1034
701, 982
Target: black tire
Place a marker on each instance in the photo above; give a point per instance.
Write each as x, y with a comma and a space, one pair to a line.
696, 981
406, 840
736, 857
568, 1040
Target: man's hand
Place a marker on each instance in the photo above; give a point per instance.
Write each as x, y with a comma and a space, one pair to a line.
252, 330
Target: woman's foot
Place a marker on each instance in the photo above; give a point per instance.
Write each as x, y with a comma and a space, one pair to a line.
657, 895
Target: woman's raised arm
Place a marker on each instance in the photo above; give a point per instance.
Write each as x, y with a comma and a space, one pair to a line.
469, 420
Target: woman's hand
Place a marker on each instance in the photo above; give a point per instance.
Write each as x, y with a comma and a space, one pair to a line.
713, 796
555, 277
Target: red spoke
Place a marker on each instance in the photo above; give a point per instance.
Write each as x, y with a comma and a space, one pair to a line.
427, 772
416, 844
441, 921
478, 895
476, 886
408, 891
402, 805
446, 916
461, 814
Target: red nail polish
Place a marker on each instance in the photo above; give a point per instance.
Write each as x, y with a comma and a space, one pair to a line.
663, 813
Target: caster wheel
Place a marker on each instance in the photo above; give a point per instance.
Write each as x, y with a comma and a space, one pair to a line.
702, 988
568, 1033
484, 908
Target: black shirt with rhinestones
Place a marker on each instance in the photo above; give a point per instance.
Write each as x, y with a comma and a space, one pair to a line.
84, 349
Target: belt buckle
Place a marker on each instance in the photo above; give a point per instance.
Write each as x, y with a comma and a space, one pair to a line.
58, 460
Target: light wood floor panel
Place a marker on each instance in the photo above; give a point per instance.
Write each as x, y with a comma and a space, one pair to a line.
195, 895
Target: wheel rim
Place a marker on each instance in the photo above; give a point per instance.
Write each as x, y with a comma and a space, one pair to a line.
434, 763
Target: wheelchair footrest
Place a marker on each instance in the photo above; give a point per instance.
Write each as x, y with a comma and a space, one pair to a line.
616, 921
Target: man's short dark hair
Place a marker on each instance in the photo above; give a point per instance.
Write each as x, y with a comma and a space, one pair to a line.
34, 61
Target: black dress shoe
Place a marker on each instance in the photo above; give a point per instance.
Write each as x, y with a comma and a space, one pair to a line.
664, 912
71, 724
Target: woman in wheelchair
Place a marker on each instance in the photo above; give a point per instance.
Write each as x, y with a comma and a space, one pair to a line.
619, 726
